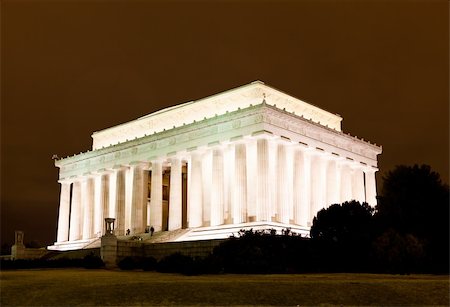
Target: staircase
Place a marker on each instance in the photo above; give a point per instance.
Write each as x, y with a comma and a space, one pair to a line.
157, 237
225, 231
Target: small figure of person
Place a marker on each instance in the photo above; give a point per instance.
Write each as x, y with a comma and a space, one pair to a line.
128, 232
152, 230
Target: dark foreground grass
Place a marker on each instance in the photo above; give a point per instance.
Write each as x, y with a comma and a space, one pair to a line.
69, 287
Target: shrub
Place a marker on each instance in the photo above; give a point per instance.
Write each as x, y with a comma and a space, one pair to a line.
149, 264
130, 263
92, 261
175, 263
398, 253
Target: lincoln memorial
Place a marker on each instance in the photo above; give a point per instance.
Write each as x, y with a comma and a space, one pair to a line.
250, 157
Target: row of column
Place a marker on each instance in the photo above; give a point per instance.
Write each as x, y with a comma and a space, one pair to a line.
271, 180
85, 203
257, 179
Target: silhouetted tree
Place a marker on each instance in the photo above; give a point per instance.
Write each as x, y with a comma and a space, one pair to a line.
398, 253
415, 201
263, 251
346, 232
349, 222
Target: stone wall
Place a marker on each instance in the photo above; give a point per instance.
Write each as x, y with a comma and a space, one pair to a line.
21, 252
160, 250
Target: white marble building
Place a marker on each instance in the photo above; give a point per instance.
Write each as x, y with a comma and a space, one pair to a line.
250, 157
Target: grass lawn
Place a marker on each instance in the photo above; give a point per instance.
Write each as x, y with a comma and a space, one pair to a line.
68, 287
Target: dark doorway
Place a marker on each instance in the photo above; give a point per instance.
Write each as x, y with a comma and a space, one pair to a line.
184, 185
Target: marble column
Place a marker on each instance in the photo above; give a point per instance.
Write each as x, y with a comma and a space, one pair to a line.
272, 177
371, 187
175, 203
112, 181
87, 198
156, 209
333, 182
135, 198
217, 188
97, 206
101, 204
262, 180
282, 186
302, 188
240, 185
104, 199
290, 180
195, 195
318, 184
346, 182
119, 205
145, 206
135, 178
128, 198
228, 172
358, 191
64, 212
251, 175
76, 213
206, 182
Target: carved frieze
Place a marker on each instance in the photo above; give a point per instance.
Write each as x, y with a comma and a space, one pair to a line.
258, 118
202, 133
222, 126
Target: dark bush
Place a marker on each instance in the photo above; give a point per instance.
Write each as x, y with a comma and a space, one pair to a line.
397, 253
130, 263
149, 264
209, 265
175, 263
261, 252
415, 201
92, 261
344, 233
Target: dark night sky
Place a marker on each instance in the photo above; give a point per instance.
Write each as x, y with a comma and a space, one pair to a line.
69, 68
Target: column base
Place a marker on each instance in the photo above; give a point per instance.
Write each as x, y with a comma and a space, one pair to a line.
72, 245
225, 231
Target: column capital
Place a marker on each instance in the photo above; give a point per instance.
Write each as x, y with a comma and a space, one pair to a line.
86, 176
358, 165
318, 152
174, 158
370, 169
119, 167
197, 150
346, 161
263, 134
284, 140
102, 171
66, 180
303, 147
142, 164
73, 179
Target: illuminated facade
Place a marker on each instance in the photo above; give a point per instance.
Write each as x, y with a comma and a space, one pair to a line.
250, 157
